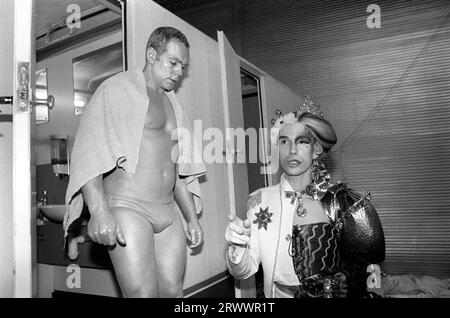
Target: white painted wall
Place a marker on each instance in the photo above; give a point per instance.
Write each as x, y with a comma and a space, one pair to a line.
6, 208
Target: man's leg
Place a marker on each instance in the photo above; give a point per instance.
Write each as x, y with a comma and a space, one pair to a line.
170, 255
134, 264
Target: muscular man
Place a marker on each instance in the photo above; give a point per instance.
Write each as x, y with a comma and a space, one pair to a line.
132, 202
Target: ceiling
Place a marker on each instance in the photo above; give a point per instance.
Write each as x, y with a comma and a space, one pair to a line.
90, 71
178, 5
51, 12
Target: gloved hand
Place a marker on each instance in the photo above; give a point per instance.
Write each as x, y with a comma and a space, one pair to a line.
237, 231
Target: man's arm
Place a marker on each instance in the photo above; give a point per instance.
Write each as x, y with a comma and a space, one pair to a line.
102, 228
243, 256
185, 201
243, 250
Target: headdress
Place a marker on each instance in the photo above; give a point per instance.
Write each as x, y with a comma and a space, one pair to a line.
290, 118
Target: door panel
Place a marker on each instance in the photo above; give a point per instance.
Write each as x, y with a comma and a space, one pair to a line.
274, 95
234, 118
6, 89
23, 220
16, 230
201, 97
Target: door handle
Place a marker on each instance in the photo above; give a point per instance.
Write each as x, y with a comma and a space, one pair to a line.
6, 100
49, 102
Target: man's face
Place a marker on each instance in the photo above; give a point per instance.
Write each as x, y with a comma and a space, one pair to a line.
168, 67
296, 148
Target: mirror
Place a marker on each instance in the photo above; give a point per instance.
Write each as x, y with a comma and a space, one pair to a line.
91, 69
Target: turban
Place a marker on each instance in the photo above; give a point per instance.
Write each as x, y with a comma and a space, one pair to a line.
321, 130
310, 115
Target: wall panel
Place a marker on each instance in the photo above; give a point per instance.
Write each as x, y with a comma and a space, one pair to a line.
387, 93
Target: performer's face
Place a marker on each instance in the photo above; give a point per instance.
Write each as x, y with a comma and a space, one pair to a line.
168, 68
296, 147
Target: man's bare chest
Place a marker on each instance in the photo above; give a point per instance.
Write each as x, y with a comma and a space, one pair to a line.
160, 114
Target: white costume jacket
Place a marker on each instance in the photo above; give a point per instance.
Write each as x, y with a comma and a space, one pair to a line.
271, 215
356, 234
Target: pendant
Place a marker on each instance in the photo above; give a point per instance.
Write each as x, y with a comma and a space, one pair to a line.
301, 212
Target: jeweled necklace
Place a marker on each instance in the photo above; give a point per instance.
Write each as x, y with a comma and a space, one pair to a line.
297, 195
315, 191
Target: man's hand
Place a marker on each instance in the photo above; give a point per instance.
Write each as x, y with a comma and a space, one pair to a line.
237, 231
103, 229
194, 233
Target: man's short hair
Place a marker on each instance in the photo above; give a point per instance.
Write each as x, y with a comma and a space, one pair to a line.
161, 36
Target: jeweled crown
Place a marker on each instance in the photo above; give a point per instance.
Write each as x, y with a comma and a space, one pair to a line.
308, 106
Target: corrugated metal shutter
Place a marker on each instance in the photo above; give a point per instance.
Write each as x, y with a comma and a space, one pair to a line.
387, 93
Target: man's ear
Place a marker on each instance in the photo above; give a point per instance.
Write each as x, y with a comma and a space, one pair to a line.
151, 55
318, 149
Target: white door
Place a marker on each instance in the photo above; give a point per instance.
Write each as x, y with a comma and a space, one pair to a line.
274, 95
16, 222
200, 97
230, 69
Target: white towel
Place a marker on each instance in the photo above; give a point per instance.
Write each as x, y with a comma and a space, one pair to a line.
109, 135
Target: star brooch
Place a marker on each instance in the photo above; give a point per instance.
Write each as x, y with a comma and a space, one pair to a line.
263, 218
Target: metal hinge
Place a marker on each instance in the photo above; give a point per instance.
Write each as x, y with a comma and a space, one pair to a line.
23, 80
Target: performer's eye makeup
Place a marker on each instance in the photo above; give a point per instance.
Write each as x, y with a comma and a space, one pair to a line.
283, 140
302, 140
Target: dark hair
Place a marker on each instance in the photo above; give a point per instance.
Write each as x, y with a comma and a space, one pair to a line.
321, 130
161, 36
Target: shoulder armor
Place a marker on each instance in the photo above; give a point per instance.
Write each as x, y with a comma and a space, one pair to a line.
361, 234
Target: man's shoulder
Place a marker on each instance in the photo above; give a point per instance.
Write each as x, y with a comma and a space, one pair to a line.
122, 80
